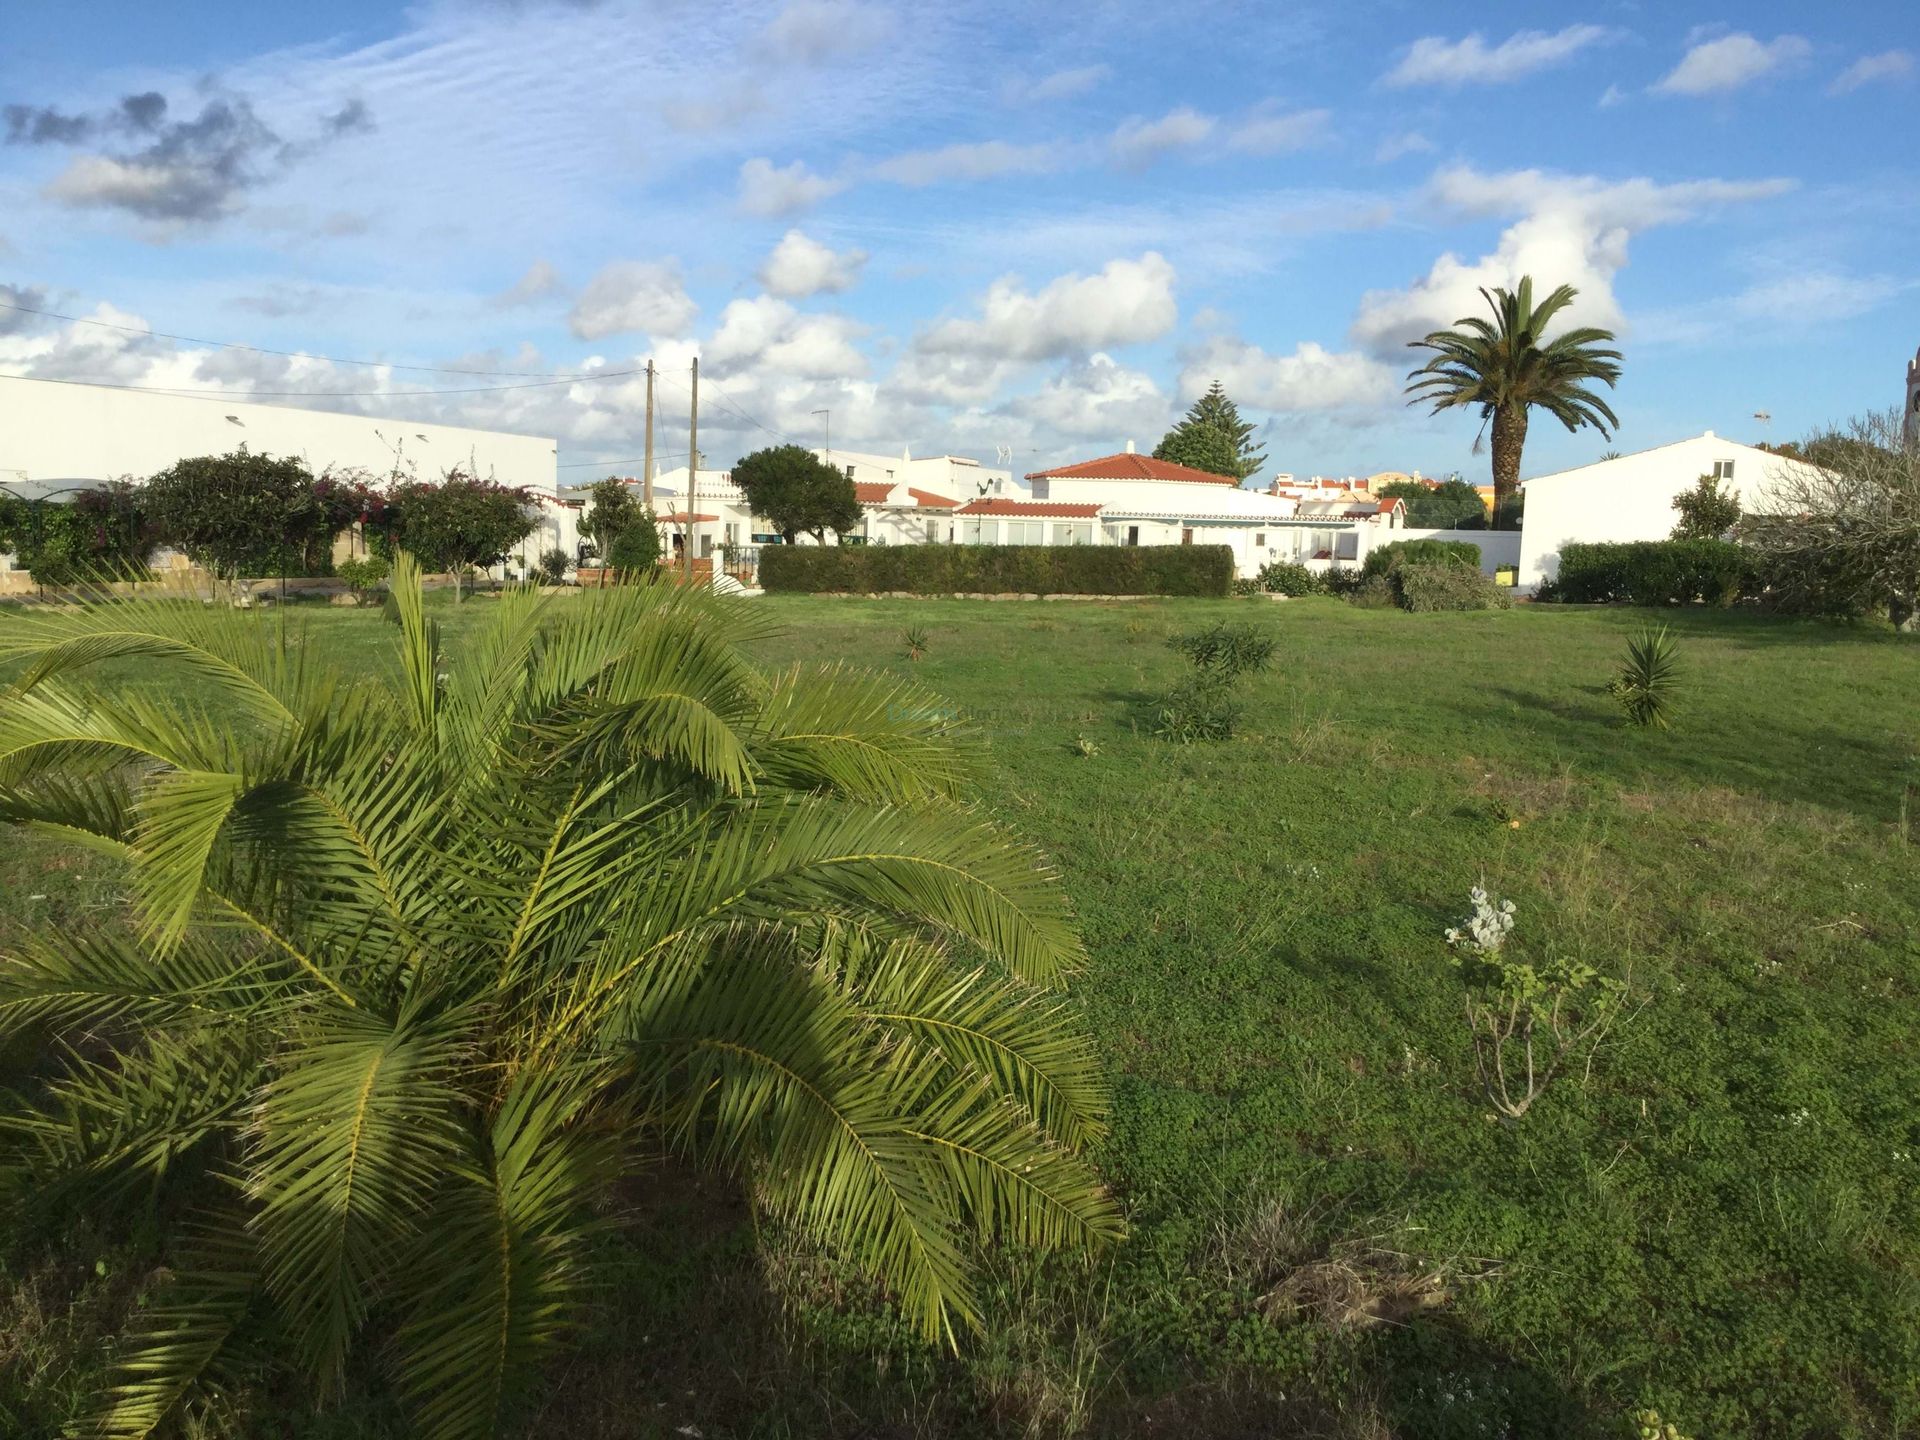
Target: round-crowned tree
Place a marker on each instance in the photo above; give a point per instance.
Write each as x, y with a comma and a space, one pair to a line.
457, 523
238, 512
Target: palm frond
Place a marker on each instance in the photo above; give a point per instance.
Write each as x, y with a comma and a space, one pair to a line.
867, 737
355, 1132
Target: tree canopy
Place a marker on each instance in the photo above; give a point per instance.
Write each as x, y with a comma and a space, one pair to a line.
1214, 438
457, 523
1706, 512
1506, 367
1450, 505
241, 511
799, 493
611, 510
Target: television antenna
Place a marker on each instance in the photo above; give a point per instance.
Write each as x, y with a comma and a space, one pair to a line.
1765, 417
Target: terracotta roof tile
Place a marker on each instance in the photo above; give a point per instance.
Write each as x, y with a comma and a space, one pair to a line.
1031, 509
872, 492
931, 500
1131, 466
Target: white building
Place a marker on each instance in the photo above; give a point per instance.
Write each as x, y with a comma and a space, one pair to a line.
1631, 497
77, 435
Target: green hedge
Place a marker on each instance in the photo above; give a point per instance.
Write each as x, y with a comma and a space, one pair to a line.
999, 569
1385, 559
1655, 572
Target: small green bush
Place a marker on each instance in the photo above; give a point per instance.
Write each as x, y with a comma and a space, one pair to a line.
1201, 707
1655, 572
1345, 581
1232, 650
1204, 570
1289, 577
636, 549
1424, 589
553, 566
361, 574
1385, 559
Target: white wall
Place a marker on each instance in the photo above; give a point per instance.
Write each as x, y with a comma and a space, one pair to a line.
1497, 547
54, 431
1631, 498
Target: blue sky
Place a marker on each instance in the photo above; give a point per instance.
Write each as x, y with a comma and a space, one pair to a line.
966, 226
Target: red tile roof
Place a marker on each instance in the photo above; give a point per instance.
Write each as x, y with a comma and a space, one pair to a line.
1031, 509
930, 500
872, 492
1131, 466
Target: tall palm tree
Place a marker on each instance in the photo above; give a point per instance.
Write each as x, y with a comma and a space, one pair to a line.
1506, 369
427, 960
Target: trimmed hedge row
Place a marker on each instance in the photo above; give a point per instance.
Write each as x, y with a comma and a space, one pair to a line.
1385, 559
1655, 572
1205, 570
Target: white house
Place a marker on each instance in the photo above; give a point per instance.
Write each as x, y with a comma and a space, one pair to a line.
59, 435
1631, 497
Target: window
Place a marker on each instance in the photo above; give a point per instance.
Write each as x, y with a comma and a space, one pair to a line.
1073, 532
933, 532
1133, 534
849, 472
1186, 535
1041, 489
728, 539
1259, 539
1347, 546
1723, 469
976, 532
1026, 532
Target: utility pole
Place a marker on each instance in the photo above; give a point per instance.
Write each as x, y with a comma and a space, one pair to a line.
826, 427
693, 467
646, 474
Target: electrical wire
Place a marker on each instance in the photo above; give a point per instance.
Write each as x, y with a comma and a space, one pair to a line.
290, 354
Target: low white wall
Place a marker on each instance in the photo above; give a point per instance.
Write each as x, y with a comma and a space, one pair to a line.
1497, 547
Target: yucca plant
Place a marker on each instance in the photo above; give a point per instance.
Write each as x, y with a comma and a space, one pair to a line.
915, 639
1648, 679
428, 960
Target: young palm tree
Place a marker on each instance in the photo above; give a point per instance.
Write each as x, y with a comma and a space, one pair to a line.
1506, 369
427, 960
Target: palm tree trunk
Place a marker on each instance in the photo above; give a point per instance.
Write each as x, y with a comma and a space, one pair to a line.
1509, 439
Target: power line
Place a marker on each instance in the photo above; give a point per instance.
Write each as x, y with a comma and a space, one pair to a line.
721, 395
325, 394
289, 354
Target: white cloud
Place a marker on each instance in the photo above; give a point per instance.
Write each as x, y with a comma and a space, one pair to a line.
801, 266
632, 295
769, 335
1869, 69
1126, 302
1611, 96
1138, 143
770, 190
1715, 67
1410, 142
981, 160
1271, 134
152, 191
1571, 229
540, 281
811, 32
1060, 85
1096, 398
1310, 380
1434, 60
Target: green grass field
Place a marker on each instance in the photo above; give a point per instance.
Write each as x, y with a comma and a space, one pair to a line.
1332, 1234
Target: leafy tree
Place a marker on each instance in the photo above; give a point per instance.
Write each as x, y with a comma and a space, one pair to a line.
1451, 505
1841, 535
238, 512
611, 511
431, 964
798, 492
636, 549
1214, 438
1706, 512
459, 523
1507, 367
102, 531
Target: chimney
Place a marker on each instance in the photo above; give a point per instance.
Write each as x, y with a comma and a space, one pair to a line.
1130, 447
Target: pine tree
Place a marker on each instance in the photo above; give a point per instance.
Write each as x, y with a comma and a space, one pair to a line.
1213, 437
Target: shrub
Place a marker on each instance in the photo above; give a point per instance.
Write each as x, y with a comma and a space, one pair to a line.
1233, 650
1289, 577
1385, 559
915, 640
246, 512
1648, 679
1375, 592
100, 532
635, 549
553, 566
1427, 588
1526, 1019
999, 569
361, 574
1706, 512
1655, 572
1201, 707
457, 524
1344, 580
